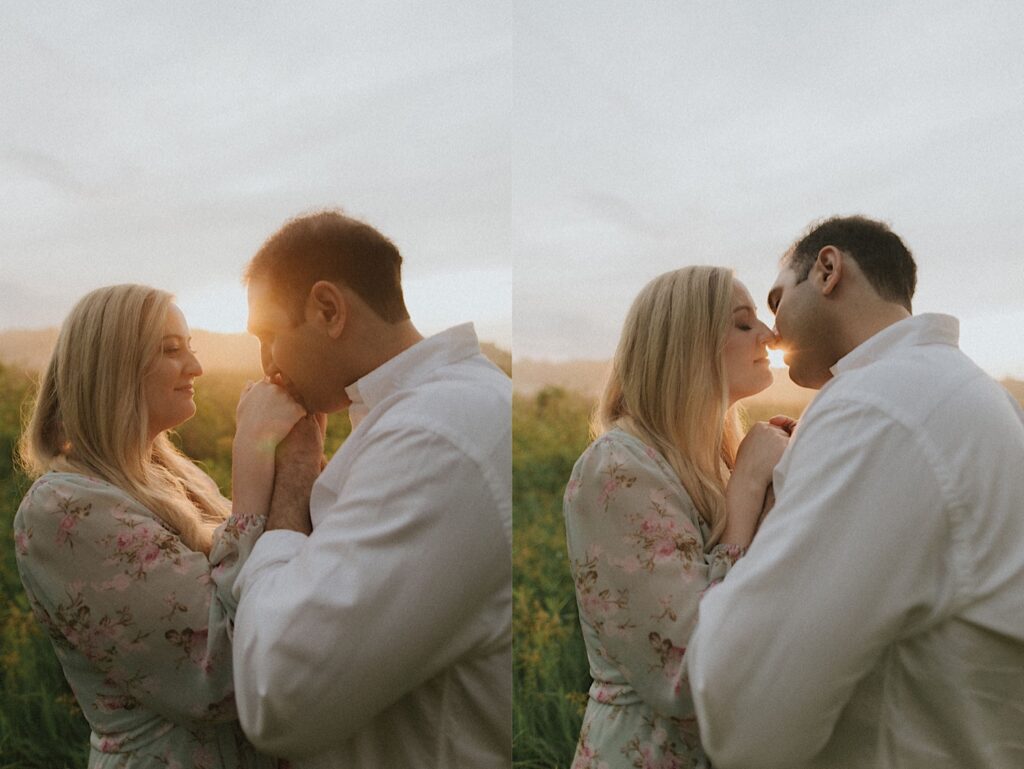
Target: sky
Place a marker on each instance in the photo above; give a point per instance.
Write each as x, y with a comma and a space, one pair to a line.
671, 133
536, 163
162, 143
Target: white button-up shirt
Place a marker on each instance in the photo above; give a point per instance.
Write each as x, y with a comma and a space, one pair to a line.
878, 618
384, 638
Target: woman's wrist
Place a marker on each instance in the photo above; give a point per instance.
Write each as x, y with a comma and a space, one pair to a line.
744, 501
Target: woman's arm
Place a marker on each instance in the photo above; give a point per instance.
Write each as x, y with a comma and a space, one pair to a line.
114, 586
747, 491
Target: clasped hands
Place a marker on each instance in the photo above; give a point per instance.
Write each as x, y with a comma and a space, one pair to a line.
277, 421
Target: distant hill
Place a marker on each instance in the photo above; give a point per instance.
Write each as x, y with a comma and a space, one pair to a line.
31, 350
587, 378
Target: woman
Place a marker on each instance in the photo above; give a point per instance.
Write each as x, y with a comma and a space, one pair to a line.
653, 518
127, 551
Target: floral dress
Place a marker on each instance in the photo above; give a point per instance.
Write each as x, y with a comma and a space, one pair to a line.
636, 548
141, 624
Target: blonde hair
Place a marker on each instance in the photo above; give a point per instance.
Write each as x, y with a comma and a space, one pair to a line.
90, 414
667, 383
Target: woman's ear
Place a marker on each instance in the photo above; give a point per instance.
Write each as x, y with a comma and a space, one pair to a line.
327, 308
828, 269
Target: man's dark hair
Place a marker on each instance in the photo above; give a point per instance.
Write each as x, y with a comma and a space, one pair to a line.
331, 246
878, 251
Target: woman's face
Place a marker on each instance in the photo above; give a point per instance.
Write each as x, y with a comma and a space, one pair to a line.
745, 357
168, 383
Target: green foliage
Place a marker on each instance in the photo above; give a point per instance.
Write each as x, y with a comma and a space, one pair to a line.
40, 723
41, 726
551, 674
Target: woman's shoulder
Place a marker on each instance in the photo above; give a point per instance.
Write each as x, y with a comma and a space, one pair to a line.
625, 449
58, 481
59, 490
621, 456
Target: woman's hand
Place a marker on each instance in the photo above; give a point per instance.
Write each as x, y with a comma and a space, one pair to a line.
760, 451
745, 495
786, 423
266, 413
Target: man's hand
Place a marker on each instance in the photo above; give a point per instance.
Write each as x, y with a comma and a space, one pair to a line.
298, 461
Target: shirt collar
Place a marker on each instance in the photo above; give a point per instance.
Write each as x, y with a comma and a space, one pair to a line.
410, 367
927, 328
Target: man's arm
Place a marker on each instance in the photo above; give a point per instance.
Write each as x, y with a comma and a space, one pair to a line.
844, 565
392, 586
297, 464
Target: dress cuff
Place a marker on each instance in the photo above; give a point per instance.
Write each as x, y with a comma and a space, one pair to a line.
720, 560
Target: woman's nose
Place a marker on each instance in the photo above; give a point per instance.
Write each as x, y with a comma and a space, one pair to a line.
768, 336
195, 368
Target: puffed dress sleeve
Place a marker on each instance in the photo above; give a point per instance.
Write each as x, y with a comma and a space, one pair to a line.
138, 620
637, 552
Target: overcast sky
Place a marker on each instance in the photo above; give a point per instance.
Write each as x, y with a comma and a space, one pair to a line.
709, 132
163, 142
591, 144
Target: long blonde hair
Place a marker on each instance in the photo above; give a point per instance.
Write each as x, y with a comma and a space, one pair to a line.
90, 414
667, 383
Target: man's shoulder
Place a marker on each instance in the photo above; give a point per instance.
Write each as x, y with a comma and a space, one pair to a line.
473, 383
922, 390
468, 398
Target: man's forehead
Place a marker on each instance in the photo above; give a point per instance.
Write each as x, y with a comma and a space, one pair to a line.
263, 304
785, 277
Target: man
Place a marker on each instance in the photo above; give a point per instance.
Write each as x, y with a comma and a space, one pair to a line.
382, 636
878, 618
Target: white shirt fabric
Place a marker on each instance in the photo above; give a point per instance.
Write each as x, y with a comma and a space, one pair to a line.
384, 638
878, 617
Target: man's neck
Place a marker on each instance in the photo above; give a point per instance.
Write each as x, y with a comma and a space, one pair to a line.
382, 342
870, 320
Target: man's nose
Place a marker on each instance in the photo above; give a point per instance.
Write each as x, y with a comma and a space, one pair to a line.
774, 340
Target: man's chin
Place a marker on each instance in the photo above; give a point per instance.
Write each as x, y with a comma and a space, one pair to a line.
810, 380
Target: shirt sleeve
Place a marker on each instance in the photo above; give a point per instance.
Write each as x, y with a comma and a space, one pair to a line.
395, 584
640, 569
846, 563
113, 585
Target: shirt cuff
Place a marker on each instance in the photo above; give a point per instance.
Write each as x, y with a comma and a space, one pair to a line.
272, 548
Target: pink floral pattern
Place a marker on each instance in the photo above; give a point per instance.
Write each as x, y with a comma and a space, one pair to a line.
140, 620
636, 547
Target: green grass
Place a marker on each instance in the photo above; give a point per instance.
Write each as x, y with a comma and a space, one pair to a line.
551, 674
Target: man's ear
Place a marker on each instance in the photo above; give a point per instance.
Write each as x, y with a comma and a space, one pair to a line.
828, 269
327, 308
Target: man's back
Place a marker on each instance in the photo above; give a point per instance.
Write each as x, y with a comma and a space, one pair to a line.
942, 692
386, 638
891, 572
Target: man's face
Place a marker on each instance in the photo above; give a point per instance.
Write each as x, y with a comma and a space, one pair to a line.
802, 329
288, 351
